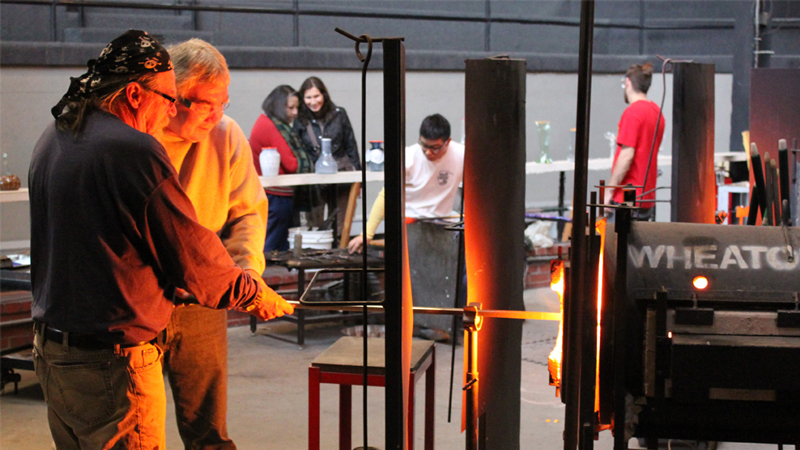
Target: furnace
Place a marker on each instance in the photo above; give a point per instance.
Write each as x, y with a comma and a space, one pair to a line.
698, 336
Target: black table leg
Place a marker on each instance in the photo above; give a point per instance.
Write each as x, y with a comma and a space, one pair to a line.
301, 318
561, 209
253, 322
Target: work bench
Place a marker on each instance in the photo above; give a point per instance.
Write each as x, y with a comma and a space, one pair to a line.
310, 260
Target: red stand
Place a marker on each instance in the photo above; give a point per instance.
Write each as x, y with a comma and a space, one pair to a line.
342, 364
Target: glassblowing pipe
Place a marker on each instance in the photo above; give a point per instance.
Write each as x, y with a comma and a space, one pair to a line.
493, 313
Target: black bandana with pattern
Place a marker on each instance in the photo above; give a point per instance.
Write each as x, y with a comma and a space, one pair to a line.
134, 53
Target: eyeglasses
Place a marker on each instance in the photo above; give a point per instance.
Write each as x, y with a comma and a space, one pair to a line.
622, 80
203, 107
169, 98
432, 148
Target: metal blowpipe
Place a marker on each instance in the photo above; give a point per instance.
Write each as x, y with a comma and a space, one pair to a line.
498, 314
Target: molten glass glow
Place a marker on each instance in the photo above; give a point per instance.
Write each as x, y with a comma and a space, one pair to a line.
700, 282
554, 360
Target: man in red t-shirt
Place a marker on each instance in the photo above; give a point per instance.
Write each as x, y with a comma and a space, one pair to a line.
637, 126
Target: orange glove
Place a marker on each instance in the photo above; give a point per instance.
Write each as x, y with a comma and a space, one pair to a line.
267, 304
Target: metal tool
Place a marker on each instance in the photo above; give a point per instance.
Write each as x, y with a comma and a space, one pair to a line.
783, 160
758, 174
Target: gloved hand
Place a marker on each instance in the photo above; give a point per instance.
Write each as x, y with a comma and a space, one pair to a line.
268, 304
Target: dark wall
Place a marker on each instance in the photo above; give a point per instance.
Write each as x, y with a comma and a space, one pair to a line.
439, 34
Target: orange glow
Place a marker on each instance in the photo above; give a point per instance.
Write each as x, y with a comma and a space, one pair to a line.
700, 282
554, 360
557, 284
600, 227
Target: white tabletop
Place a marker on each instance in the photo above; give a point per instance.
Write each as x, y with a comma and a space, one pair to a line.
605, 163
20, 195
300, 179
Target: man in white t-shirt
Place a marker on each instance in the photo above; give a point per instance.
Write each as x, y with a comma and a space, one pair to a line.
434, 169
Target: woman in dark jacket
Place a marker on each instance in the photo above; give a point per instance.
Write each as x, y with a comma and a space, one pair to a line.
320, 118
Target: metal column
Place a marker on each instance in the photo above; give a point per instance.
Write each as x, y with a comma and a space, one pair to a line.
693, 183
398, 304
494, 193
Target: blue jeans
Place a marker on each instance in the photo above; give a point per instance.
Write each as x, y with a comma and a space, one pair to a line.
278, 223
196, 361
99, 399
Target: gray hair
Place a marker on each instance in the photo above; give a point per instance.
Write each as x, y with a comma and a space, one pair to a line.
197, 62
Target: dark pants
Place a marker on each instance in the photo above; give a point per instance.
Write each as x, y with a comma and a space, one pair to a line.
102, 398
278, 223
335, 196
196, 360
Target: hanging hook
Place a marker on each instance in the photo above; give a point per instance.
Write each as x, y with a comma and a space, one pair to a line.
366, 38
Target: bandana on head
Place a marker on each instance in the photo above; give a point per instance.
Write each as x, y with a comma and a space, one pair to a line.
134, 53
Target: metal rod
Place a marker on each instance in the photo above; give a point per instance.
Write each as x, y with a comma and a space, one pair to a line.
783, 160
589, 336
486, 313
397, 348
562, 181
459, 271
622, 227
602, 211
768, 218
578, 246
471, 386
758, 176
365, 65
752, 213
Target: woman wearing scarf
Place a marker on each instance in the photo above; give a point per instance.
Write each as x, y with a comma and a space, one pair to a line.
273, 129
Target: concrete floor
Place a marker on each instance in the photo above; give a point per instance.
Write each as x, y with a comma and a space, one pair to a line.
268, 402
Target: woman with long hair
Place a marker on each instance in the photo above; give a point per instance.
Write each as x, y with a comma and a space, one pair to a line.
320, 118
273, 129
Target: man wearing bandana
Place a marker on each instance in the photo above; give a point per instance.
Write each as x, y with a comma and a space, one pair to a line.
215, 167
112, 236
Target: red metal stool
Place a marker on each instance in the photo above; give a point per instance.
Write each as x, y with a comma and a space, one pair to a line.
343, 364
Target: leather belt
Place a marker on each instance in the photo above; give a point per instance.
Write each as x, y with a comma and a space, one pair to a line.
83, 341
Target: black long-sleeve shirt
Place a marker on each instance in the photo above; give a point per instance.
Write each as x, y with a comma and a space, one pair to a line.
343, 141
111, 229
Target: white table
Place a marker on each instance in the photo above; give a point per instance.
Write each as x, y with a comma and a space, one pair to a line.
532, 168
20, 195
301, 179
